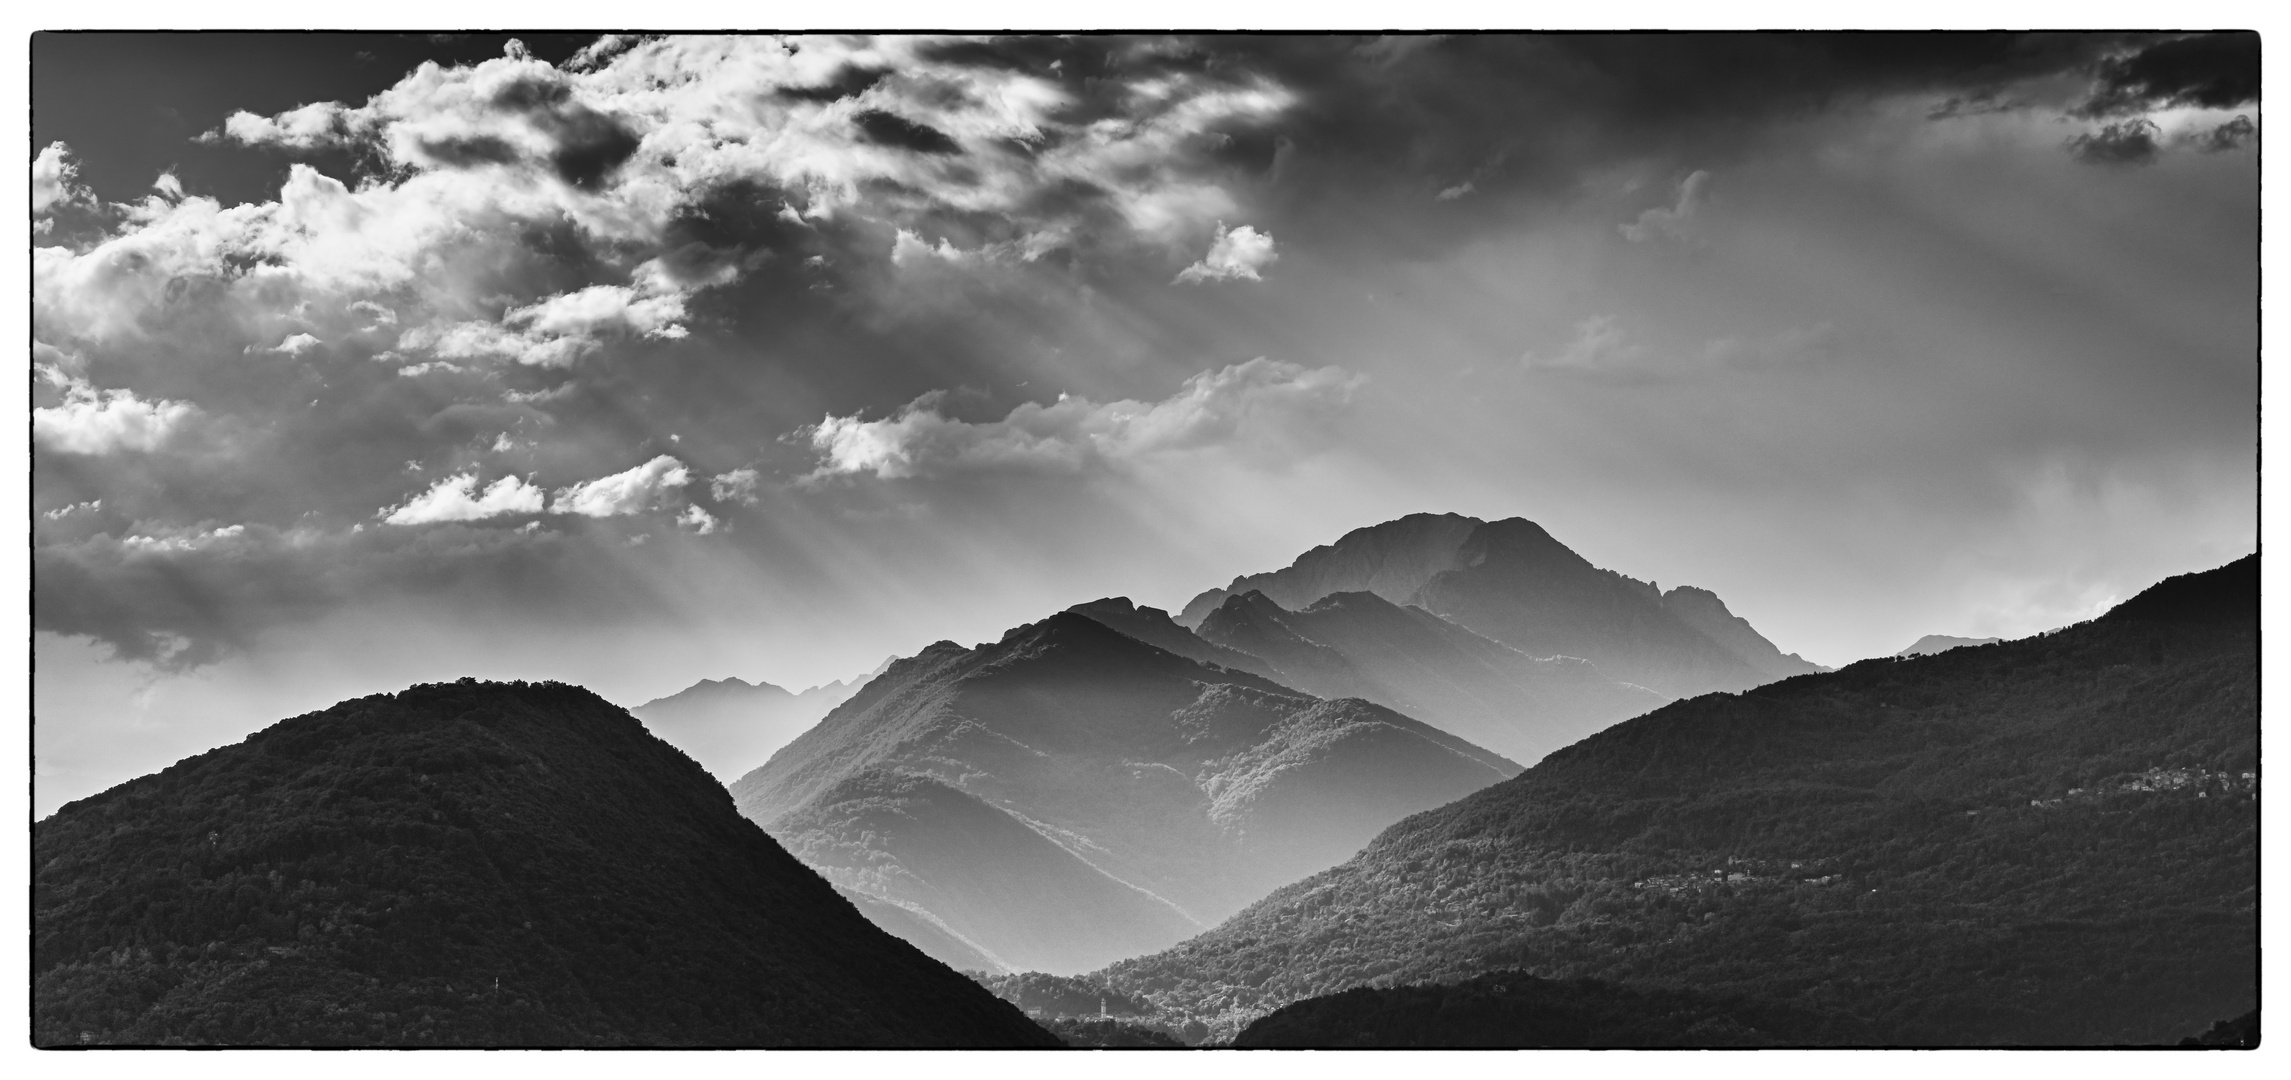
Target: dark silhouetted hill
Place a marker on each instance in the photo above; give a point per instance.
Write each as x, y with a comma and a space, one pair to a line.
1358, 644
2044, 841
1510, 581
456, 865
1197, 787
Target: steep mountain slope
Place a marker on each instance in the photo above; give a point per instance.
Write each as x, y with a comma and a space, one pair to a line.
982, 875
2045, 841
465, 864
1362, 645
1511, 582
1154, 627
1935, 643
1201, 786
730, 726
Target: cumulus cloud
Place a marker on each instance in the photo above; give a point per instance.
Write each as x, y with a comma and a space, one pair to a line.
456, 498
1237, 255
1675, 221
55, 181
736, 486
700, 521
296, 344
630, 492
1251, 403
1451, 194
92, 421
559, 330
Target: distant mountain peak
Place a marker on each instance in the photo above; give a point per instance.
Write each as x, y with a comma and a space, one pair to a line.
1510, 580
1934, 643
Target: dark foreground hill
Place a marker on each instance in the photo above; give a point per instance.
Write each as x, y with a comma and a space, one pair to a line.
1513, 1010
2044, 841
1071, 795
468, 864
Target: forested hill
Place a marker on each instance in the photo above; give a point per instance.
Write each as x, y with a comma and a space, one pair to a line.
464, 864
2044, 841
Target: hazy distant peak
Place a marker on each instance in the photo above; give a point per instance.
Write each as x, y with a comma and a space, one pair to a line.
1934, 643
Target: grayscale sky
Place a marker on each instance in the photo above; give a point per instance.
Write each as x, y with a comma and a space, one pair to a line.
368, 360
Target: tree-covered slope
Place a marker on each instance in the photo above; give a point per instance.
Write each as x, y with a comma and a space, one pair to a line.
1201, 786
1513, 1010
467, 864
2045, 841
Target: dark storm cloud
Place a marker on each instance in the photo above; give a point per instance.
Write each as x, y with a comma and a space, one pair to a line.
850, 81
891, 129
2212, 71
2126, 142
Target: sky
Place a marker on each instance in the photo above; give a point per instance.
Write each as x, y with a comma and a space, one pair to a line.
367, 360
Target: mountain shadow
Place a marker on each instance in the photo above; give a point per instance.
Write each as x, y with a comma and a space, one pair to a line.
470, 864
1193, 788
1511, 582
2049, 841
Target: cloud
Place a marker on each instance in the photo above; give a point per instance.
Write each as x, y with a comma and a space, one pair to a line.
55, 181
295, 344
2206, 71
738, 486
66, 511
1673, 222
2233, 135
560, 330
1451, 194
92, 421
2126, 142
1233, 256
630, 492
1255, 403
456, 498
1599, 344
700, 521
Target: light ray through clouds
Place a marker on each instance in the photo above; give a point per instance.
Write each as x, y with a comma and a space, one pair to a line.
651, 360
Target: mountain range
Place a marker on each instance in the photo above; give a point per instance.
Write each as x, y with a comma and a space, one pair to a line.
471, 864
1071, 795
731, 726
2049, 841
1511, 582
1081, 804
